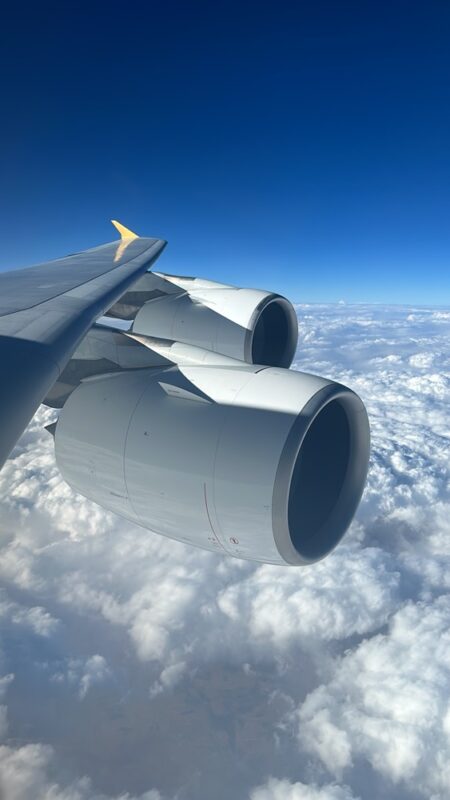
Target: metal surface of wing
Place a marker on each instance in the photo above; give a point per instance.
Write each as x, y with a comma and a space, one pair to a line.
46, 310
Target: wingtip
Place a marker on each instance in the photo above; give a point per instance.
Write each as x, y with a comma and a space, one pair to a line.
125, 233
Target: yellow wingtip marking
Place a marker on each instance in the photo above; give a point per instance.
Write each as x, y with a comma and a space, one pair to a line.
125, 233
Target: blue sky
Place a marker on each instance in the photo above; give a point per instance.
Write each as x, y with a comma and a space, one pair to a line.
299, 147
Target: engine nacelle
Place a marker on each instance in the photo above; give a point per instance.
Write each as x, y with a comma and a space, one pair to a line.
251, 325
257, 463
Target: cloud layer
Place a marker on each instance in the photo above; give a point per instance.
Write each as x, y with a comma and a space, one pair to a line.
137, 667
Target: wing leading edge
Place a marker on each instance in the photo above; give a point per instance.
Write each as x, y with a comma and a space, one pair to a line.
46, 310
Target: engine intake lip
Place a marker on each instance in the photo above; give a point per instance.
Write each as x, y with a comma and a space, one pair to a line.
321, 475
271, 339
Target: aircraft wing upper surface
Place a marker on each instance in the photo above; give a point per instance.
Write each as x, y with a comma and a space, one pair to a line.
46, 310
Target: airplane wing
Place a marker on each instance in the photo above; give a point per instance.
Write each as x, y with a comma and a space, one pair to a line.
184, 417
46, 310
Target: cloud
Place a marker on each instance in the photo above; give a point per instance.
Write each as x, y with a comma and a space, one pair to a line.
83, 673
5, 680
284, 790
36, 618
388, 702
26, 773
352, 593
145, 665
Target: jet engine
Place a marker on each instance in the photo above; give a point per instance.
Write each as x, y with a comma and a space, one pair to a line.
179, 414
252, 325
251, 461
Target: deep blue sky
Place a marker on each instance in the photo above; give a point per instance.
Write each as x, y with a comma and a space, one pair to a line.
303, 147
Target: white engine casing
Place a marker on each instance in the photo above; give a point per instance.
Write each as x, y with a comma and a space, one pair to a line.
258, 463
251, 325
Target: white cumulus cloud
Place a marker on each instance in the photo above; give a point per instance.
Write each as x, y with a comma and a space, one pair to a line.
276, 789
388, 702
145, 668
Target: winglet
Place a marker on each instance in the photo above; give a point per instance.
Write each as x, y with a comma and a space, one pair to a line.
125, 233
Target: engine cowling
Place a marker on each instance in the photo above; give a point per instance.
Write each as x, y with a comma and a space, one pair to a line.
251, 325
258, 463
